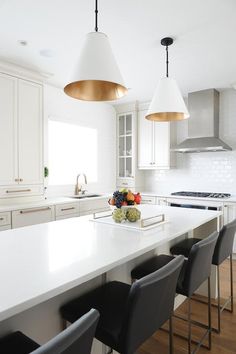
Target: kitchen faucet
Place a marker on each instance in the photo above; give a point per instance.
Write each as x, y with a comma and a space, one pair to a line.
78, 187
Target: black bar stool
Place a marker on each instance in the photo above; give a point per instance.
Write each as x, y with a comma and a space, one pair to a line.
130, 314
196, 269
75, 339
223, 250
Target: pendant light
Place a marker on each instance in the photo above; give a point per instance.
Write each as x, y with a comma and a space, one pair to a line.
167, 103
97, 76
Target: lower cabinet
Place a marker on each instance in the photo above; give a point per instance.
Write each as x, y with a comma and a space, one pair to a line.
147, 199
66, 211
230, 215
93, 206
32, 216
5, 221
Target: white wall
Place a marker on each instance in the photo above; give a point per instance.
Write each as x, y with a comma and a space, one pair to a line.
100, 116
212, 171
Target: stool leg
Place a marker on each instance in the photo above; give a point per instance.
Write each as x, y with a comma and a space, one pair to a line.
171, 335
218, 300
231, 283
209, 313
189, 326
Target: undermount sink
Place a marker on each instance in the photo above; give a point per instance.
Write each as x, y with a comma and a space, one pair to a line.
83, 196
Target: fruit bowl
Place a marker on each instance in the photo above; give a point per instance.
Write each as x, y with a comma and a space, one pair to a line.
124, 198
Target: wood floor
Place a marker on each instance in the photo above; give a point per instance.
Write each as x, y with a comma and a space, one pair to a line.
223, 343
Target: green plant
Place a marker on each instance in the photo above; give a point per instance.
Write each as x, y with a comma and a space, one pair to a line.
46, 172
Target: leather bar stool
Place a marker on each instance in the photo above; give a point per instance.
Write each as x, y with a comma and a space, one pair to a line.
223, 250
75, 339
196, 269
130, 314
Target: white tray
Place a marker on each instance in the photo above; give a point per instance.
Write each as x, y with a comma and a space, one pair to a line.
141, 225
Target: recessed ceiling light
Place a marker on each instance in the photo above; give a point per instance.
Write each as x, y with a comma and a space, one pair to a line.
23, 42
48, 53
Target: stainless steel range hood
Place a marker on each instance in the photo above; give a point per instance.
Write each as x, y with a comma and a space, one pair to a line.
203, 124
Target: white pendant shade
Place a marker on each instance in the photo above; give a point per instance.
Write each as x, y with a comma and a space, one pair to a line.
97, 76
167, 103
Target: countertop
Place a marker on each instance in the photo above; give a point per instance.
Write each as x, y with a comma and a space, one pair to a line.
41, 261
232, 199
16, 205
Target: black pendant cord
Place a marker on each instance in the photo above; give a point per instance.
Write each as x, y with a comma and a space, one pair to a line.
167, 62
167, 41
96, 15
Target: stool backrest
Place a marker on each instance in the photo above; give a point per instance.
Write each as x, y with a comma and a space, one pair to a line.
150, 304
76, 339
198, 266
224, 245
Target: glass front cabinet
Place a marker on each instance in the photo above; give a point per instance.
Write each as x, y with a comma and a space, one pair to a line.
125, 150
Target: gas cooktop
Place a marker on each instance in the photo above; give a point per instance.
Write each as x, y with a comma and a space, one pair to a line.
202, 194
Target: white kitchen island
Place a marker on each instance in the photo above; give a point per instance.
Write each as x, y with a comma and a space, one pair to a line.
43, 266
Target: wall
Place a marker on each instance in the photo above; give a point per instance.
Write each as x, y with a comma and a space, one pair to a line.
100, 116
212, 171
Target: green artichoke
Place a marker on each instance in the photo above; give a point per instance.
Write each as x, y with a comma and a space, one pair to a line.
133, 214
119, 215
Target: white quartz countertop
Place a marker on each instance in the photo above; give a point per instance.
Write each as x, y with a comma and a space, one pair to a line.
231, 199
16, 205
41, 261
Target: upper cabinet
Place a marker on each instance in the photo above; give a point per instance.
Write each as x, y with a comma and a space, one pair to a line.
154, 143
125, 145
21, 137
8, 130
128, 175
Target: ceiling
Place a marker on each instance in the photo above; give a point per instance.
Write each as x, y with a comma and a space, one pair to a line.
202, 56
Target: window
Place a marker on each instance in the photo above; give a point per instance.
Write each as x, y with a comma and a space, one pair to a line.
72, 149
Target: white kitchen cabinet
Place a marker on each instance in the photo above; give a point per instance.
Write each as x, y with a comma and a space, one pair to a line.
128, 175
8, 130
93, 206
32, 216
66, 211
154, 143
230, 215
30, 132
125, 128
21, 137
5, 221
147, 199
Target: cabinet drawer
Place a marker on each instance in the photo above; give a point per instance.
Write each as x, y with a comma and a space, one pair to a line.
5, 219
146, 199
67, 209
125, 183
91, 206
32, 216
20, 191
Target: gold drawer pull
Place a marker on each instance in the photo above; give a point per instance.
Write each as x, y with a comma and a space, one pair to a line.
34, 210
71, 208
1, 219
18, 191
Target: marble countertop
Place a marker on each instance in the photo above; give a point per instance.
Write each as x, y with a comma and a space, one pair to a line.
232, 199
16, 205
41, 261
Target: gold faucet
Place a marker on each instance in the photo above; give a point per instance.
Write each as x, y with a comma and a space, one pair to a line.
78, 187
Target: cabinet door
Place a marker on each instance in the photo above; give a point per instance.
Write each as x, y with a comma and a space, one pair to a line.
30, 132
8, 130
230, 215
145, 142
162, 144
32, 216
